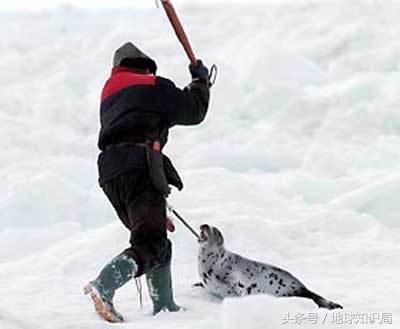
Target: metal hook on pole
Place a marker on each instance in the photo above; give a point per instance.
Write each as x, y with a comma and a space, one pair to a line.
213, 75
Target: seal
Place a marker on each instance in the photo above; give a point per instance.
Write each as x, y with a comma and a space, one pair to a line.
226, 274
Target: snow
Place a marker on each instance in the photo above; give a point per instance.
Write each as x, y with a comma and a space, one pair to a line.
298, 162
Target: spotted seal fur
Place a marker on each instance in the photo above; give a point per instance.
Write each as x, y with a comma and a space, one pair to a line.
226, 274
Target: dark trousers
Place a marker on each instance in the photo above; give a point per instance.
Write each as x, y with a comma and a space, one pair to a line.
141, 209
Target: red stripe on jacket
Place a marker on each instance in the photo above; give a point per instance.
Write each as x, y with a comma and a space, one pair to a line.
122, 77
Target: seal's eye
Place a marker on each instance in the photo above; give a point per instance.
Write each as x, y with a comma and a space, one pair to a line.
204, 227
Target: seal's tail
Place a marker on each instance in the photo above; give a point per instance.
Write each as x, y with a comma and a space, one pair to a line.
320, 301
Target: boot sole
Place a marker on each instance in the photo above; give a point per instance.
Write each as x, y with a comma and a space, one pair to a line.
102, 310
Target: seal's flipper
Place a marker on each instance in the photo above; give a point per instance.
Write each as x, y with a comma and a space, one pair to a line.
319, 300
198, 284
331, 305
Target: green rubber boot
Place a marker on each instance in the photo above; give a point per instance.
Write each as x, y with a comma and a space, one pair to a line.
160, 290
113, 276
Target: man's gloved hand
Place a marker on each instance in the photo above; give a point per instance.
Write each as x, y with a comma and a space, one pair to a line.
170, 225
199, 72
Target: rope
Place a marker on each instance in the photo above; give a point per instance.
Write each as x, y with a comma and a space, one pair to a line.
138, 283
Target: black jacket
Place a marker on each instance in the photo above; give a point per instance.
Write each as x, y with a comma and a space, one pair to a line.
136, 108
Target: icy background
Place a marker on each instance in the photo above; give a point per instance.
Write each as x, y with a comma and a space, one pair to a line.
298, 162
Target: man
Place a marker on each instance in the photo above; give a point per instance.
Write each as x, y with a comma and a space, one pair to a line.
137, 109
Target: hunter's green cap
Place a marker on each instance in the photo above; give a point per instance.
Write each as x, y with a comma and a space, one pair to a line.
131, 54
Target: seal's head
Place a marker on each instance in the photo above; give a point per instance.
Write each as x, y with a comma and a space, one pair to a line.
210, 236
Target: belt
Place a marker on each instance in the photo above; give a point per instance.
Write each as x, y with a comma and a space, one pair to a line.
154, 145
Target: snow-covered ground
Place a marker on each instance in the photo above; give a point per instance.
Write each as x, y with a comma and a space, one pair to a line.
298, 162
